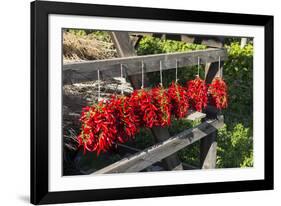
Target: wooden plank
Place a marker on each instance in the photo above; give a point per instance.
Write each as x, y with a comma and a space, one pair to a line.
125, 48
208, 151
208, 145
194, 115
170, 162
151, 62
79, 72
163, 149
133, 150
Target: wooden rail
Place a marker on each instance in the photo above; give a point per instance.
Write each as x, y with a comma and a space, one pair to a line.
132, 150
151, 62
163, 149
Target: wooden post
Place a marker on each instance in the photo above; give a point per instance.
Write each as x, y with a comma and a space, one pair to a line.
125, 48
208, 145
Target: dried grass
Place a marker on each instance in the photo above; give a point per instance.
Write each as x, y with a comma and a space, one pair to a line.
88, 47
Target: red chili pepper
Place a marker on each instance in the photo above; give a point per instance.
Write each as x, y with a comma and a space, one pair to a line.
179, 100
144, 108
162, 102
218, 92
197, 93
126, 119
120, 118
98, 131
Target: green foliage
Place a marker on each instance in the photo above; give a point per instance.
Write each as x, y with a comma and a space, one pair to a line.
153, 45
238, 73
77, 32
102, 36
234, 147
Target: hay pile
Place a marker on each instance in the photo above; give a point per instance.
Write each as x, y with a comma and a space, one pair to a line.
86, 47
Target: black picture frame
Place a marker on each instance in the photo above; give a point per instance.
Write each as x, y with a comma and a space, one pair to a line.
39, 102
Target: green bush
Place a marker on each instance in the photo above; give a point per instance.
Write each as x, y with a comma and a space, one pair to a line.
153, 45
234, 147
100, 35
238, 73
77, 32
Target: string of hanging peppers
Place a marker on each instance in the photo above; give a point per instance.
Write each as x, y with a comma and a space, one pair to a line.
118, 119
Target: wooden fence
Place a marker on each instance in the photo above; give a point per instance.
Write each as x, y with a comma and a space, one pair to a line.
166, 147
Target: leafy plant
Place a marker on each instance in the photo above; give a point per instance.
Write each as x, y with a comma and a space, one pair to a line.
153, 45
234, 147
77, 32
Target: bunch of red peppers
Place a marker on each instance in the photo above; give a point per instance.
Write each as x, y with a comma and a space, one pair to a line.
218, 93
119, 118
197, 93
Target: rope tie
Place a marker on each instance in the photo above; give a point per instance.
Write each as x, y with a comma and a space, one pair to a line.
176, 70
161, 81
142, 75
98, 85
121, 68
219, 65
198, 66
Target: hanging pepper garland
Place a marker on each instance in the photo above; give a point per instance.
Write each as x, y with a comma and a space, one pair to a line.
126, 120
85, 137
197, 93
218, 93
162, 101
99, 129
179, 100
142, 102
119, 118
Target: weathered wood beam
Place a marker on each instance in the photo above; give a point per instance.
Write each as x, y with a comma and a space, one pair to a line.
163, 149
133, 150
208, 151
125, 49
194, 115
151, 62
